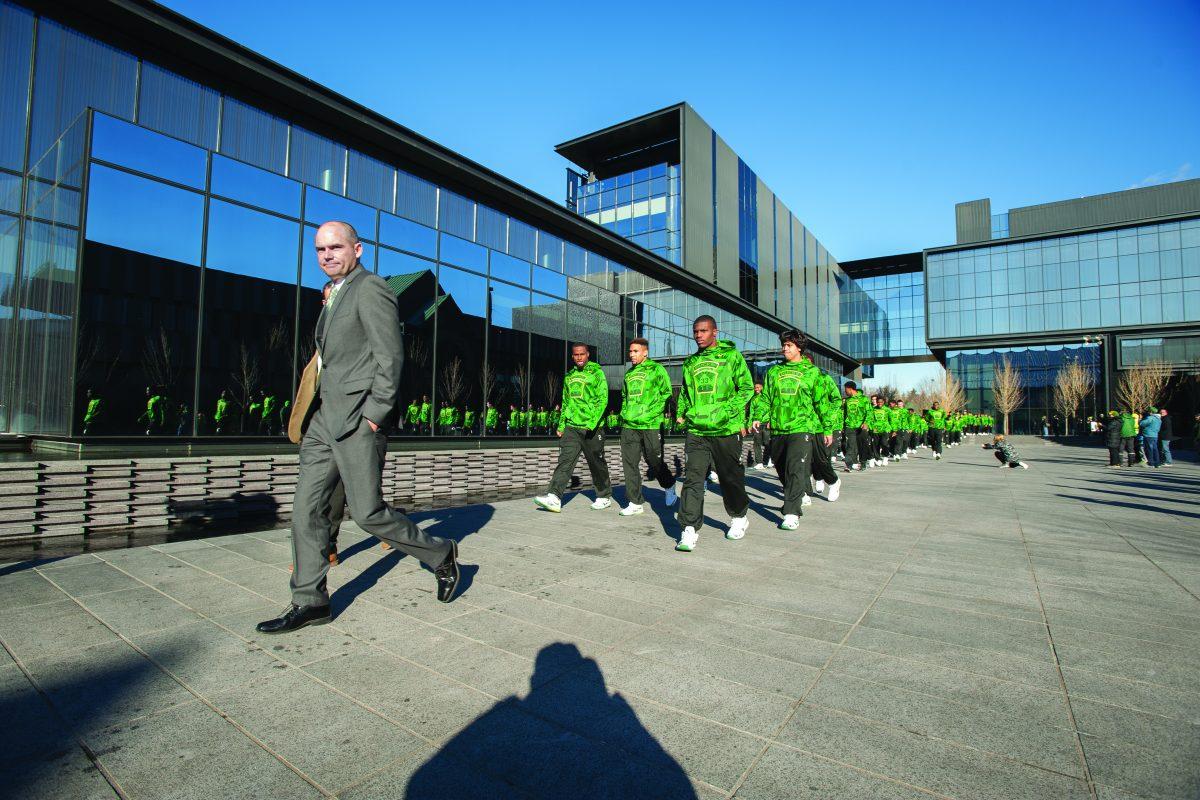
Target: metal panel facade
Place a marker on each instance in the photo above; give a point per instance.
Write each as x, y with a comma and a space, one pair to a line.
973, 221
1168, 199
727, 217
697, 196
766, 246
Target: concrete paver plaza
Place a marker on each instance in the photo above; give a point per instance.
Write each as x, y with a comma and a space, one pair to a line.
945, 629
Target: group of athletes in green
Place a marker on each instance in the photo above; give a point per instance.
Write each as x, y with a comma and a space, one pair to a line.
800, 421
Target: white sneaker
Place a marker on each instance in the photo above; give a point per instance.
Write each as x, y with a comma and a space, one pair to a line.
712, 476
904, 456
631, 509
790, 523
857, 468
835, 491
770, 464
819, 487
602, 503
937, 456
550, 502
759, 465
806, 502
672, 497
1023, 465
687, 540
737, 527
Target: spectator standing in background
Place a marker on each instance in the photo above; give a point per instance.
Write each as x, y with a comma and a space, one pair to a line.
1148, 428
1166, 434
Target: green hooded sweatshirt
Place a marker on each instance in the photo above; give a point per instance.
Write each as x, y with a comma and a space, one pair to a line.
799, 399
857, 409
759, 407
936, 417
716, 388
585, 397
1129, 426
878, 419
644, 395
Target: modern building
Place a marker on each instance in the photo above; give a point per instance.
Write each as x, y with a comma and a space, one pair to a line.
883, 310
160, 186
1111, 281
668, 182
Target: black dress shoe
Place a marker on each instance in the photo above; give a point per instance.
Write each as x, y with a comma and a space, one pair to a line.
295, 618
447, 575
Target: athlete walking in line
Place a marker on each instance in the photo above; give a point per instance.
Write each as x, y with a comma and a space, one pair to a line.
712, 404
585, 397
644, 396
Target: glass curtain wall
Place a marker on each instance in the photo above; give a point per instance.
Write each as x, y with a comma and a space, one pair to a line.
190, 307
1143, 275
643, 206
883, 316
1038, 366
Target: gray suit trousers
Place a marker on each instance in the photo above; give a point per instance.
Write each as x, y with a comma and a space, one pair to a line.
358, 459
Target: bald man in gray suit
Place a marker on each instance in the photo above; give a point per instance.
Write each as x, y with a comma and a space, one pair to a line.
361, 354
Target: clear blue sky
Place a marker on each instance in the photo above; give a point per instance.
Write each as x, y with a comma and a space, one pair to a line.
869, 120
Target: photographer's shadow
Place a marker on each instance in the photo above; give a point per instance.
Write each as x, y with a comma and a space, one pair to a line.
569, 737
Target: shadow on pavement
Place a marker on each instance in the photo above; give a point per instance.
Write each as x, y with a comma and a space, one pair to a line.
454, 523
568, 738
1134, 506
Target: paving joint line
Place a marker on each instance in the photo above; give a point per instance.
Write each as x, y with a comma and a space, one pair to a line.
1062, 681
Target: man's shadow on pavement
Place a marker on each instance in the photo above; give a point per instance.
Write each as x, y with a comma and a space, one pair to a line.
452, 523
568, 738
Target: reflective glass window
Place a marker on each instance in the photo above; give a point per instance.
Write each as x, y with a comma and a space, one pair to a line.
16, 44
416, 199
317, 161
75, 72
251, 243
239, 181
178, 107
137, 148
507, 268
549, 250
144, 215
463, 253
552, 283
407, 235
321, 207
369, 181
456, 215
392, 263
522, 240
253, 136
491, 228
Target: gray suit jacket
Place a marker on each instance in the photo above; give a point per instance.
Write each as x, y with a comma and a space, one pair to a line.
362, 354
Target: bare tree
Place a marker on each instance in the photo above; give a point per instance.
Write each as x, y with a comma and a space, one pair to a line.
951, 395
1008, 390
158, 362
245, 381
521, 373
887, 392
552, 386
418, 351
453, 382
1143, 386
1072, 385
487, 382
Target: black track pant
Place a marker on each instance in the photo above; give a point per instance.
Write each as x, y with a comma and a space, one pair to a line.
591, 444
851, 439
724, 454
762, 445
793, 457
879, 444
636, 444
935, 435
1129, 445
822, 464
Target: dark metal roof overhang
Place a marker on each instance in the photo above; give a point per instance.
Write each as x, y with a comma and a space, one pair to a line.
650, 138
883, 265
171, 40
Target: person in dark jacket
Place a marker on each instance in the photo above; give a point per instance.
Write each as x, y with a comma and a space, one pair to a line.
1112, 439
1166, 433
